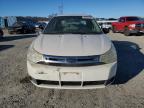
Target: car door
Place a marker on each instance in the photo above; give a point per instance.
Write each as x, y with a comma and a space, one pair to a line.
121, 24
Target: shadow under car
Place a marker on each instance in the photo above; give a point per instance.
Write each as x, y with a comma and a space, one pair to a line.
130, 61
4, 47
17, 37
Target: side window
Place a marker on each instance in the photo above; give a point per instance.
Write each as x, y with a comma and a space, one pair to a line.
122, 20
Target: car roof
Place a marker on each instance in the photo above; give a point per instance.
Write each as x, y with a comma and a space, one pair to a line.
128, 16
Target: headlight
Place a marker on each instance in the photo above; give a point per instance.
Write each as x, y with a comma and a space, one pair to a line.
132, 25
33, 55
110, 56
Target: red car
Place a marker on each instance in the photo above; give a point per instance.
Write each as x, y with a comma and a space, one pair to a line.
129, 25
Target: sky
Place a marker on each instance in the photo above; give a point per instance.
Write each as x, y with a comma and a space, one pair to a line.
97, 8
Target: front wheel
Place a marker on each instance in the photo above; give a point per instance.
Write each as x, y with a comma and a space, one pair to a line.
1, 33
114, 29
127, 32
1, 36
24, 31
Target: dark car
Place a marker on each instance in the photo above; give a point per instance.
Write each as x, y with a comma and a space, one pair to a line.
1, 33
42, 26
21, 27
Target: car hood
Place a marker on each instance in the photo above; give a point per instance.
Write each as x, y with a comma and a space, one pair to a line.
72, 44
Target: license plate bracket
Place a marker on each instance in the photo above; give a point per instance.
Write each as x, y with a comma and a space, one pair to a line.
70, 76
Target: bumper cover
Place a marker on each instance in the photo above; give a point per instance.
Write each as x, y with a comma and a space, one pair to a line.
88, 77
139, 28
72, 85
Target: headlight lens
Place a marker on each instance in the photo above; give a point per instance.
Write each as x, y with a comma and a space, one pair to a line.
33, 55
132, 25
110, 56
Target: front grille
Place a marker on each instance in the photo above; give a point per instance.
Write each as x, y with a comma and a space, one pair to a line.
70, 65
71, 60
139, 25
68, 83
46, 82
73, 83
93, 82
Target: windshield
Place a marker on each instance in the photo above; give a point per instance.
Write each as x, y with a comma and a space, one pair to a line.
142, 19
72, 25
133, 18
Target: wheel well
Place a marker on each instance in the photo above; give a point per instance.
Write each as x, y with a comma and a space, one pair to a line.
113, 27
125, 27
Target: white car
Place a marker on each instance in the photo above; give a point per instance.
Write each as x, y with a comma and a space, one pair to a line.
106, 23
72, 53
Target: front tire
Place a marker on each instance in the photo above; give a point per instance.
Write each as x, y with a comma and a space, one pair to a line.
127, 32
24, 31
114, 29
1, 34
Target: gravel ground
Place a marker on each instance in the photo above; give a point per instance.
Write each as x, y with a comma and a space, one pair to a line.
17, 92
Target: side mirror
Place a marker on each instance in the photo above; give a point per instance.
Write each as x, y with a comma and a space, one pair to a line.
105, 30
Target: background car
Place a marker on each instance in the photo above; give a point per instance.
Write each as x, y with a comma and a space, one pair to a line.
106, 23
129, 25
40, 25
21, 27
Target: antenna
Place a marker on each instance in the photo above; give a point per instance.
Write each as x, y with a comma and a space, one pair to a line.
61, 8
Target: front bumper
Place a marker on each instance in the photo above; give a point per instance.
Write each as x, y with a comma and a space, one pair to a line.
139, 28
135, 31
87, 77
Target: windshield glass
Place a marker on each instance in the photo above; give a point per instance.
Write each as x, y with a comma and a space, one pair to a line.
142, 19
133, 18
72, 25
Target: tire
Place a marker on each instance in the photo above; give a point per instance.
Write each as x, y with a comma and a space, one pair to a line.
114, 29
10, 32
1, 36
1, 33
24, 31
18, 32
138, 34
33, 31
127, 32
